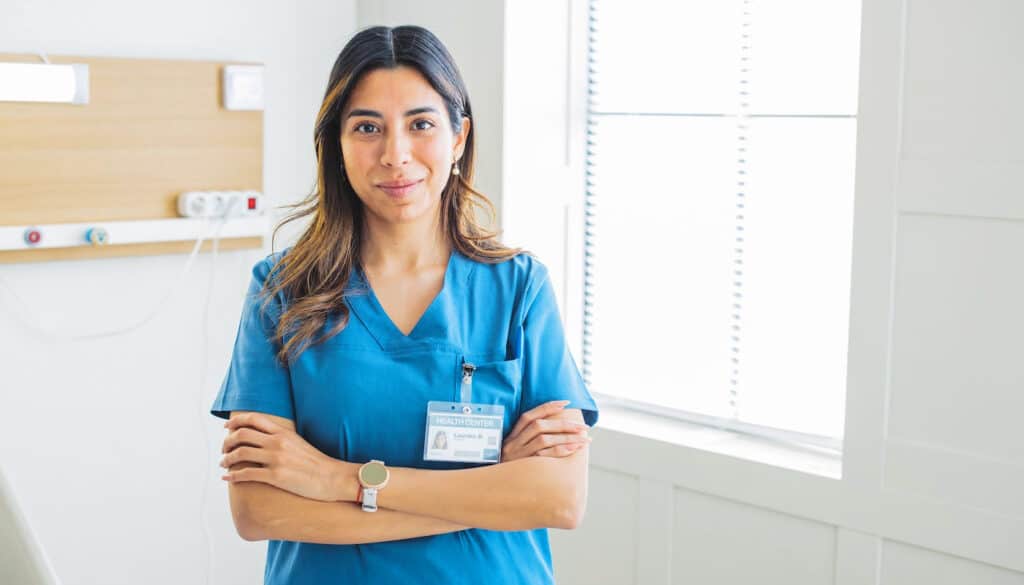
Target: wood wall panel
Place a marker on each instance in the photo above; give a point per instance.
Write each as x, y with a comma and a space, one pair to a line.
152, 129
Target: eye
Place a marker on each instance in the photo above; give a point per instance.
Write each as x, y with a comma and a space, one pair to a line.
359, 128
427, 124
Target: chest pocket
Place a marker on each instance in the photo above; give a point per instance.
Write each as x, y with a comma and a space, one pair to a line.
498, 382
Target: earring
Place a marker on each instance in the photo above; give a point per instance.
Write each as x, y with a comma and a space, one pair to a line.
455, 168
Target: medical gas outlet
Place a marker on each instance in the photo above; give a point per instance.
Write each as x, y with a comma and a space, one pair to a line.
205, 214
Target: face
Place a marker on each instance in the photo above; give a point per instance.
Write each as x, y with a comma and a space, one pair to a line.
398, 145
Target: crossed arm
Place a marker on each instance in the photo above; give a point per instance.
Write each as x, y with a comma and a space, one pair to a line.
282, 488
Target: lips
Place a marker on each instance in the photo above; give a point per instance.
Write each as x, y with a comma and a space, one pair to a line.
399, 183
399, 188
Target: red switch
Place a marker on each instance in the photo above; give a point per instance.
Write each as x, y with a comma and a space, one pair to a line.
252, 203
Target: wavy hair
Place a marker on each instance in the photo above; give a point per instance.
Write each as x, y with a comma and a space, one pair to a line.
313, 276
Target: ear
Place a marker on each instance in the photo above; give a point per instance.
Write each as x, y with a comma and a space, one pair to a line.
460, 139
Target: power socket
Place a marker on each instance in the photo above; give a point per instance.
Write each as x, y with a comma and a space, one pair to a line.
215, 204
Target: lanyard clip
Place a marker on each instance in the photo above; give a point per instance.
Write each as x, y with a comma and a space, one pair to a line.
467, 382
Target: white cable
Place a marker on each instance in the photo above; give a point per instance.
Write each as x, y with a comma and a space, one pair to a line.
203, 353
54, 336
204, 523
201, 411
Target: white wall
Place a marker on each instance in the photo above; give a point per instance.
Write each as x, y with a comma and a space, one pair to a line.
109, 442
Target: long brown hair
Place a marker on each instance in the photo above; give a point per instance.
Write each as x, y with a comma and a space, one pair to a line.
313, 275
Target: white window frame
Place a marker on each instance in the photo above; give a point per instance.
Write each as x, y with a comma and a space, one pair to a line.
549, 222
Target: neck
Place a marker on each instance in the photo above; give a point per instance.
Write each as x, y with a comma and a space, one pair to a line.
412, 246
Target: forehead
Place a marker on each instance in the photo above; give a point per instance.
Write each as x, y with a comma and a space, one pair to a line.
390, 90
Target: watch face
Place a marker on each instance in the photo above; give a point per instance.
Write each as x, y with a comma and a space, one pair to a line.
373, 473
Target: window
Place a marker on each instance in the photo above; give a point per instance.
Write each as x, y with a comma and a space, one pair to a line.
719, 210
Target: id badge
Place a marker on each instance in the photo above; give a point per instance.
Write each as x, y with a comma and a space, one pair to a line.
462, 431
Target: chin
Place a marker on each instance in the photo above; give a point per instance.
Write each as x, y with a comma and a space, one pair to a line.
408, 213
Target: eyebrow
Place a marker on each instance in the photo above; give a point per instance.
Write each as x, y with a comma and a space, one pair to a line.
376, 114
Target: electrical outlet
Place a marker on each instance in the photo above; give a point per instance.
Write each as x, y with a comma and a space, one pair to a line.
243, 87
220, 204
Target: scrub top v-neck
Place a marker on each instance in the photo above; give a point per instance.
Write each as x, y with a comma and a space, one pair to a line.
431, 324
363, 393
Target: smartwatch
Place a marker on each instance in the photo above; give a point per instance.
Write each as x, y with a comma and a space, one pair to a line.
373, 476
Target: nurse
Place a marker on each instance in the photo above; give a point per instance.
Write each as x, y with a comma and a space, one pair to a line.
402, 404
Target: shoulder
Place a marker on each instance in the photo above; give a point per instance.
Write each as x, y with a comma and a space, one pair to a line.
529, 266
523, 273
262, 269
523, 267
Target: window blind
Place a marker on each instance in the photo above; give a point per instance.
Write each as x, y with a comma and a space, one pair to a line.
720, 158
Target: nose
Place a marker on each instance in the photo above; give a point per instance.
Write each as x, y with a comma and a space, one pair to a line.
396, 149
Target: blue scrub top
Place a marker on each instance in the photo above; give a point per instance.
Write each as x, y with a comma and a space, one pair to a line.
363, 395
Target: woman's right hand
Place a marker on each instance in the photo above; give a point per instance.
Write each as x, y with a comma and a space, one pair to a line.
540, 432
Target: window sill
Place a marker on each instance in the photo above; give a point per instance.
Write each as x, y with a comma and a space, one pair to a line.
806, 459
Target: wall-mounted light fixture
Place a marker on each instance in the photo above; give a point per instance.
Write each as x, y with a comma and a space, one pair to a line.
30, 82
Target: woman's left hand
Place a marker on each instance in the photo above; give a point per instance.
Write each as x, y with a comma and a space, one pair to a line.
285, 459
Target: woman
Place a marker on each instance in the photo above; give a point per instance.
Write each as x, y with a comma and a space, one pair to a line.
393, 317
440, 441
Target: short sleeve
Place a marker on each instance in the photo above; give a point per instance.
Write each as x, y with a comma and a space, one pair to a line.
549, 370
255, 379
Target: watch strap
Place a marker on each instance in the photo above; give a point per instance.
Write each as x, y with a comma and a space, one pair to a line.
368, 496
